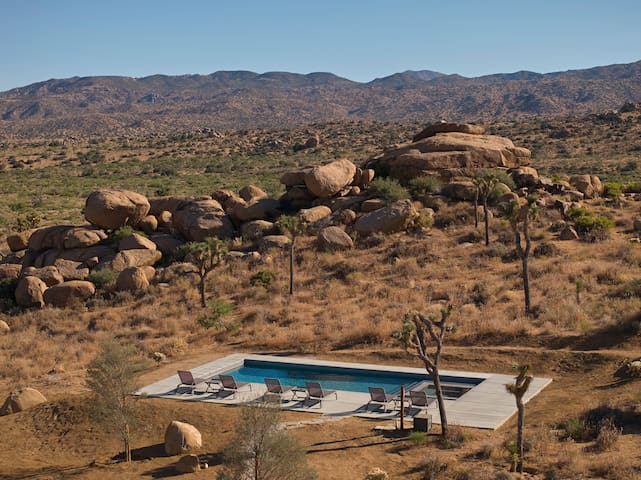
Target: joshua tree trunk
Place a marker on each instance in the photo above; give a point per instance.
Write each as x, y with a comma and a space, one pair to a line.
127, 444
526, 283
201, 288
476, 209
519, 433
441, 402
291, 266
486, 213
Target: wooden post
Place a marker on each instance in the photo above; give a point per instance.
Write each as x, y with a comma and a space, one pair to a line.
402, 407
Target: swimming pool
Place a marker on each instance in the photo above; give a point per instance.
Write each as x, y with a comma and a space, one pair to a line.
345, 378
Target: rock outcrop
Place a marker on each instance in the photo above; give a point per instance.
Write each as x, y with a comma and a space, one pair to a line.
333, 239
132, 279
199, 219
111, 209
327, 180
448, 152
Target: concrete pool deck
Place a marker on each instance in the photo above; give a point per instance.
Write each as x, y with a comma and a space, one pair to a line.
487, 405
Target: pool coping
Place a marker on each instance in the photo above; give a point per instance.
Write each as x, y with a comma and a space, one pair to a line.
470, 410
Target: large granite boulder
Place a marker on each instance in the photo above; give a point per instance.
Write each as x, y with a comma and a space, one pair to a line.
314, 214
136, 241
256, 229
188, 464
199, 219
71, 270
464, 190
393, 218
166, 243
29, 292
228, 199
148, 224
262, 209
132, 279
181, 437
448, 155
333, 239
327, 180
19, 241
69, 293
50, 274
4, 328
290, 179
273, 241
112, 209
22, 400
133, 258
65, 237
589, 185
251, 193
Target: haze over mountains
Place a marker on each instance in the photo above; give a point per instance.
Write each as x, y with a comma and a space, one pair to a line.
111, 105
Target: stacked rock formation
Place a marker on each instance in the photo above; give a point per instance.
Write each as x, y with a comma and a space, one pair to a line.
449, 150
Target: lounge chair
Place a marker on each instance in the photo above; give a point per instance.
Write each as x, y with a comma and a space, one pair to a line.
419, 399
316, 392
229, 383
274, 386
378, 396
188, 380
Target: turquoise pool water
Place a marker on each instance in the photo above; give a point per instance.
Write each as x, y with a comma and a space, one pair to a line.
337, 378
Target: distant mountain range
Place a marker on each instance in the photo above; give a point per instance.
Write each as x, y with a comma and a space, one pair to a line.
242, 99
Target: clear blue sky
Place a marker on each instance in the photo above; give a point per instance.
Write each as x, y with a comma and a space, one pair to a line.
360, 40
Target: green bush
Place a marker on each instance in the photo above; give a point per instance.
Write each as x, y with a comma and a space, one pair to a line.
217, 310
612, 189
390, 189
589, 226
576, 429
103, 279
263, 278
420, 186
417, 438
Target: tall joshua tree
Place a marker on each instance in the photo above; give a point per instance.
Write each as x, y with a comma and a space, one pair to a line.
421, 332
293, 227
518, 389
206, 256
521, 216
485, 183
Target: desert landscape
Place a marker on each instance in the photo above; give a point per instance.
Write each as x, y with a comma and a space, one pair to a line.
290, 241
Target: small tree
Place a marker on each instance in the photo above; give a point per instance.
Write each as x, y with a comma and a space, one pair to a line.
111, 377
518, 389
520, 217
390, 190
422, 331
485, 183
260, 450
205, 256
292, 226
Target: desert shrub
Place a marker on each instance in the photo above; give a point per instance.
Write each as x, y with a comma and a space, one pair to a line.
607, 436
432, 467
390, 189
419, 186
612, 189
475, 236
261, 451
503, 475
575, 429
117, 235
103, 279
26, 222
376, 474
459, 214
589, 226
217, 310
423, 221
264, 278
479, 295
630, 289
417, 438
455, 438
545, 249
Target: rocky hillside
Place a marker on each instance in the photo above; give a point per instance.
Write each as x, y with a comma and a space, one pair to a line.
229, 100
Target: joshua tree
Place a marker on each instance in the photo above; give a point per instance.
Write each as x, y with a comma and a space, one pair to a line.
420, 331
292, 226
485, 183
520, 217
111, 377
206, 256
518, 389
